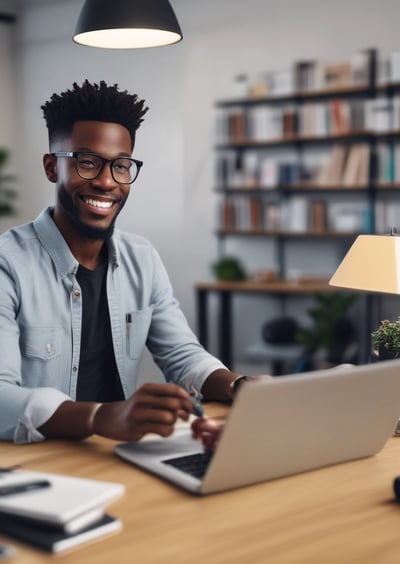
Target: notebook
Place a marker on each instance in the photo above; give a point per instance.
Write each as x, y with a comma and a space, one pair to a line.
67, 502
282, 426
52, 540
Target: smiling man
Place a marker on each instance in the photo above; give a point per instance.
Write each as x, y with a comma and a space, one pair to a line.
80, 299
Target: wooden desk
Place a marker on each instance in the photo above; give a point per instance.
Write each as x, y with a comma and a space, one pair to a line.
340, 514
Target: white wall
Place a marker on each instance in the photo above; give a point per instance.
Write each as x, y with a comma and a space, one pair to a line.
172, 203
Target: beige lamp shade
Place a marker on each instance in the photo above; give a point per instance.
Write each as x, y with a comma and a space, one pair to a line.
371, 264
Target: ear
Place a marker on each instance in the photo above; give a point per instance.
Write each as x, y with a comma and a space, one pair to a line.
50, 167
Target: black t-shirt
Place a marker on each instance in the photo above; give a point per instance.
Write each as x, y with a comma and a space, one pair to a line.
98, 378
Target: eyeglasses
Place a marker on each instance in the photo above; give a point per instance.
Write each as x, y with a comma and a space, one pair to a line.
89, 166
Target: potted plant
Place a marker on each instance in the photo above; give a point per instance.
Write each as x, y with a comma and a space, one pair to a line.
7, 194
229, 269
331, 338
386, 339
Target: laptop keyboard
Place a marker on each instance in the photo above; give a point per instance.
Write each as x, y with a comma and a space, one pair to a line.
194, 464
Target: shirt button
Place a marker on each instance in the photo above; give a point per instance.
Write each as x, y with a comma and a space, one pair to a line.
74, 369
76, 293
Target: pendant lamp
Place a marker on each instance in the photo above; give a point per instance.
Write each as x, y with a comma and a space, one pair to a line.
127, 24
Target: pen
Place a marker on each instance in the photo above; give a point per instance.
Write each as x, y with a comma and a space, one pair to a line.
194, 398
24, 487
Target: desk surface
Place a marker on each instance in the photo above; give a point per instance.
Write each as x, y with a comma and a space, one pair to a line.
277, 287
343, 513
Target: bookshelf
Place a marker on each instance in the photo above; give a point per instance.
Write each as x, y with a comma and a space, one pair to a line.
315, 159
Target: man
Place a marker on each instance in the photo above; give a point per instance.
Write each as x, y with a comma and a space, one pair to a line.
79, 299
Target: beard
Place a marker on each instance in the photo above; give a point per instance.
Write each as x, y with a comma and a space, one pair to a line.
84, 230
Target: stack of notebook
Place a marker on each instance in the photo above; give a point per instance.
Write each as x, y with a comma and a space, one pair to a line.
55, 512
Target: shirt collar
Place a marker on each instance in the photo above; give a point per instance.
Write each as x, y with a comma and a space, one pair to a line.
51, 239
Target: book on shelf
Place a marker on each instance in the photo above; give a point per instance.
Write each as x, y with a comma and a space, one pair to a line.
348, 217
228, 215
379, 114
364, 67
318, 216
356, 171
273, 218
385, 172
255, 214
237, 127
387, 216
53, 540
335, 117
339, 116
345, 167
330, 174
280, 83
242, 213
395, 124
290, 121
308, 75
394, 66
295, 214
269, 173
337, 75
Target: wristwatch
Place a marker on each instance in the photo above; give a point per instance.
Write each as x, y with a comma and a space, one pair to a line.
236, 384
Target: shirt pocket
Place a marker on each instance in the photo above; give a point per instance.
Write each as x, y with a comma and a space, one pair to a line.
42, 343
137, 330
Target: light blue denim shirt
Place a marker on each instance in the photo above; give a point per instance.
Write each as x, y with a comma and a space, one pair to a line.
41, 314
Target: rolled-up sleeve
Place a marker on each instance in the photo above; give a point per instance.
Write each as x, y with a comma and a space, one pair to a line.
41, 405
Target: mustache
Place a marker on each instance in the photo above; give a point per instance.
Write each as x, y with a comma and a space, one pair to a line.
85, 231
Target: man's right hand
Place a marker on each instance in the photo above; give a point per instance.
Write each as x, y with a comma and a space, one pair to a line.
153, 408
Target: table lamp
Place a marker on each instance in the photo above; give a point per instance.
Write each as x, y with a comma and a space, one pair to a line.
372, 264
127, 24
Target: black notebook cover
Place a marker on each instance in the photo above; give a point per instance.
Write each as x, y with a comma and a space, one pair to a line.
57, 541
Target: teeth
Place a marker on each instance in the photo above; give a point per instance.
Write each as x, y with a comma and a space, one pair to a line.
98, 204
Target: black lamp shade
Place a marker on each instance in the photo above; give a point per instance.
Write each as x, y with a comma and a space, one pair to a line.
127, 24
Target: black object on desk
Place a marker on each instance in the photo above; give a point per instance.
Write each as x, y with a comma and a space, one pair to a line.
24, 487
396, 488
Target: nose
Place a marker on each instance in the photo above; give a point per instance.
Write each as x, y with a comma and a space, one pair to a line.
105, 181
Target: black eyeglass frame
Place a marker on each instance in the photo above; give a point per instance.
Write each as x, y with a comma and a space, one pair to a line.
76, 154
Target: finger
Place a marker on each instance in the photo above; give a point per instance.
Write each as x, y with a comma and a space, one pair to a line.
161, 390
183, 414
164, 399
154, 415
162, 429
207, 425
179, 407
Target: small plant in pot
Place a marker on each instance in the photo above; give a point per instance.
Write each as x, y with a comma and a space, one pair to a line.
229, 269
332, 337
386, 339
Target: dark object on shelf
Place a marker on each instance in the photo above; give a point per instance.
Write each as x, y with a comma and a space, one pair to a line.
281, 330
229, 269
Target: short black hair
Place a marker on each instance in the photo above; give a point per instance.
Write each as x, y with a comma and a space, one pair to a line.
92, 102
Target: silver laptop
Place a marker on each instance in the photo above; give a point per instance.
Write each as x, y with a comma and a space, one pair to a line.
283, 426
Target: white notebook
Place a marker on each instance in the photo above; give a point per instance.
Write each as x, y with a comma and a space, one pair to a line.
68, 502
52, 540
